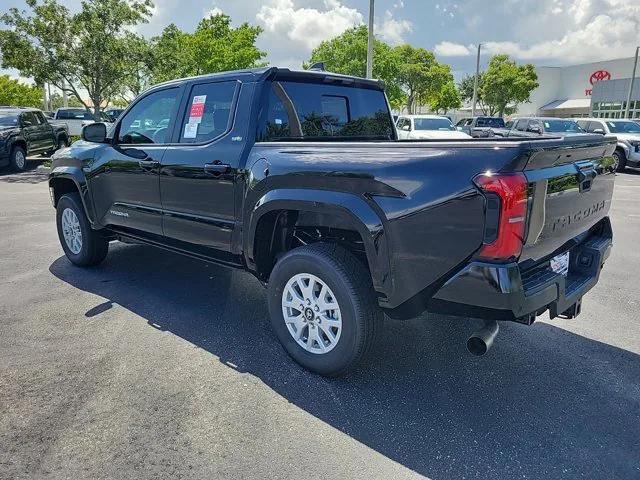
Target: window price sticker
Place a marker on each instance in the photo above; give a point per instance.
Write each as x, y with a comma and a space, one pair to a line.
197, 110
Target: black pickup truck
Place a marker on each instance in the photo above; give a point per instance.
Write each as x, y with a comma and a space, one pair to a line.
26, 131
298, 177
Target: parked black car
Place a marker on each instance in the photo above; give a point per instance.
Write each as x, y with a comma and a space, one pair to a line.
482, 127
26, 131
298, 178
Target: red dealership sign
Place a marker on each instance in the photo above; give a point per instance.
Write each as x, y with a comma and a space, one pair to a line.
599, 75
596, 77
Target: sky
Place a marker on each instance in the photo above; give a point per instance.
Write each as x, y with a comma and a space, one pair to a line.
543, 32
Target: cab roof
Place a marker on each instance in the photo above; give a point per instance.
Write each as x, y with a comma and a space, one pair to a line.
264, 73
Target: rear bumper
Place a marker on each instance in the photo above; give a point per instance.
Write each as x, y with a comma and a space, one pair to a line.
503, 292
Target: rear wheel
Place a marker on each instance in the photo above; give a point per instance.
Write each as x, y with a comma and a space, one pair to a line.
82, 245
18, 159
323, 308
621, 160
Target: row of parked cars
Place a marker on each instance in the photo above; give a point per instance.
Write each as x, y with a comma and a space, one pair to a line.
28, 131
627, 153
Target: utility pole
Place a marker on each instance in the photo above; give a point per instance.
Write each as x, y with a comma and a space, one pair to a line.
45, 103
475, 83
633, 78
370, 41
65, 98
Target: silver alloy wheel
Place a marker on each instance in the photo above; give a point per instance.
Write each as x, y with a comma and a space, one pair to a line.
71, 231
311, 313
20, 159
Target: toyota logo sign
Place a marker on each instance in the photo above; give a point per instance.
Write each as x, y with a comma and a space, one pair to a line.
599, 75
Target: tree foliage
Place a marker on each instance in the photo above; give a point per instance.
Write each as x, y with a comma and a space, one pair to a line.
14, 93
421, 75
506, 84
445, 99
215, 46
347, 54
86, 51
465, 87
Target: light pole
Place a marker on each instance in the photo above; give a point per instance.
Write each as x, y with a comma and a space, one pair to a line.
370, 41
475, 83
633, 78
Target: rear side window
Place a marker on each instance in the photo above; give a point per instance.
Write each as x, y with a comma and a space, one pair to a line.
208, 111
308, 111
76, 114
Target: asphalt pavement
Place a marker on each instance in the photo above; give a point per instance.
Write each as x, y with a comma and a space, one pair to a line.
153, 365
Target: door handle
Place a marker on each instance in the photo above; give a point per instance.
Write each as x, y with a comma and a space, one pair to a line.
216, 168
148, 163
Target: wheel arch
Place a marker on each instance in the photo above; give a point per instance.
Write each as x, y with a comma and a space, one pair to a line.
283, 208
63, 180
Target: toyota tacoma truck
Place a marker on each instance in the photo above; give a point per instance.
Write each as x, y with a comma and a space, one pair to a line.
26, 131
298, 178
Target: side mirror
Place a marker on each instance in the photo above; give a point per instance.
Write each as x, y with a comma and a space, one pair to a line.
537, 130
94, 132
598, 130
407, 128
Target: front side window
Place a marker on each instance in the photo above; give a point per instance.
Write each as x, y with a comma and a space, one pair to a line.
208, 112
309, 111
148, 120
442, 124
521, 125
29, 119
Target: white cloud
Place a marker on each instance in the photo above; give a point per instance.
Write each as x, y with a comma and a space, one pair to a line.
213, 12
562, 31
308, 26
450, 49
393, 30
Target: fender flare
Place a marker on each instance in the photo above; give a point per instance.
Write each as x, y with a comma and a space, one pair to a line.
76, 175
363, 217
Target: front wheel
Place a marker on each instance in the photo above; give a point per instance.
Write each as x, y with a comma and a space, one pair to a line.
18, 159
82, 245
323, 308
620, 160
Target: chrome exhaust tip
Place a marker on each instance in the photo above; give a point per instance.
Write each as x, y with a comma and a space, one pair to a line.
481, 341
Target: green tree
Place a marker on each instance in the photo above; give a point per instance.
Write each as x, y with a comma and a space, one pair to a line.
81, 52
446, 99
215, 46
347, 54
14, 93
506, 84
465, 87
420, 75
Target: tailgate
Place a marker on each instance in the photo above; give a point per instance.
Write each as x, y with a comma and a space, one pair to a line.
570, 189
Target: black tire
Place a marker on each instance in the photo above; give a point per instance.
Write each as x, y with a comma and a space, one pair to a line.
94, 247
621, 159
63, 142
351, 283
18, 159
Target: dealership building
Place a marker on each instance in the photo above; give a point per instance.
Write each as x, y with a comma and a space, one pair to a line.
591, 89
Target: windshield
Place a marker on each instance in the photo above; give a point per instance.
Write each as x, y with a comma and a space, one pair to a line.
8, 120
433, 124
567, 126
623, 127
493, 122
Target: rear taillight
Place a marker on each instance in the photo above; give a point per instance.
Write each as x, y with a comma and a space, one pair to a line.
506, 214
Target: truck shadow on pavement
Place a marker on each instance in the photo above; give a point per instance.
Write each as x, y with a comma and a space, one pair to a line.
544, 403
30, 175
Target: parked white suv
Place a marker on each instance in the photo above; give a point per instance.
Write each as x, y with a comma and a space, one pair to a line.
76, 118
427, 127
627, 153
